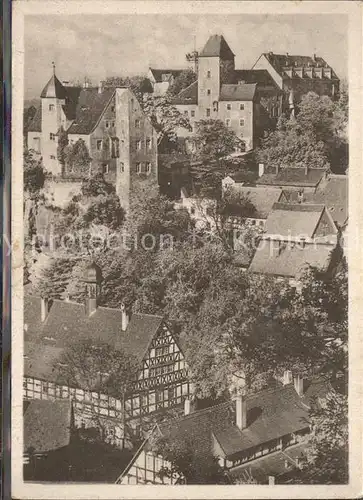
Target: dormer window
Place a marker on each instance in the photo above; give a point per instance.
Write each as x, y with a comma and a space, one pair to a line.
99, 144
51, 107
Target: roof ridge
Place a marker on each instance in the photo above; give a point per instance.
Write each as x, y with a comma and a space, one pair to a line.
186, 88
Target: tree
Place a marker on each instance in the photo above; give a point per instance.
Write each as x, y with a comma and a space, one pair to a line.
50, 277
315, 138
182, 81
62, 144
212, 143
326, 460
138, 84
165, 118
77, 159
34, 180
97, 366
186, 465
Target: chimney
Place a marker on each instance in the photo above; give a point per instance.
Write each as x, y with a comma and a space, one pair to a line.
300, 196
100, 87
124, 318
287, 379
271, 480
314, 57
287, 54
277, 169
241, 412
299, 385
261, 169
44, 303
306, 170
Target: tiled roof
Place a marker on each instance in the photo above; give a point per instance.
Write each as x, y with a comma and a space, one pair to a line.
67, 321
292, 258
90, 107
333, 193
217, 46
36, 124
282, 61
293, 219
189, 95
293, 177
271, 414
47, 425
158, 73
54, 88
262, 198
259, 76
238, 92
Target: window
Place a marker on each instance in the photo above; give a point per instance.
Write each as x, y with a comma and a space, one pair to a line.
228, 122
99, 144
241, 122
192, 210
148, 167
107, 124
229, 107
138, 145
186, 113
192, 113
105, 168
36, 142
208, 91
241, 107
112, 109
122, 167
148, 143
208, 74
207, 111
132, 104
137, 123
52, 136
51, 107
52, 157
138, 168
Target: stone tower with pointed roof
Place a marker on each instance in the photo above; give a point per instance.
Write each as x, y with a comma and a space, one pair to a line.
53, 99
215, 67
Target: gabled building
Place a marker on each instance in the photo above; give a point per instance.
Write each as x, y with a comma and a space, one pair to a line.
120, 139
296, 235
161, 381
291, 178
298, 75
232, 96
258, 432
161, 79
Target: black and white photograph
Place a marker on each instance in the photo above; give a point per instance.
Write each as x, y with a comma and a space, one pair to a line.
183, 209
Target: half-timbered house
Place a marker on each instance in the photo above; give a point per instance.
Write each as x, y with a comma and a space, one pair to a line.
161, 378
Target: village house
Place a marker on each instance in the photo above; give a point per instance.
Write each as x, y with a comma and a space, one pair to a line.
298, 75
56, 450
161, 382
120, 139
301, 179
232, 96
297, 235
261, 433
161, 79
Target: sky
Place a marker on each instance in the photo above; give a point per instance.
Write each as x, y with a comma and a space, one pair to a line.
97, 46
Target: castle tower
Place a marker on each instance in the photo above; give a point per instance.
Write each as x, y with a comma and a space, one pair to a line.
215, 67
53, 99
92, 279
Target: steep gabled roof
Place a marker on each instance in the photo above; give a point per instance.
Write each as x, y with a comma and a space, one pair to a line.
291, 258
158, 73
293, 219
217, 46
67, 322
238, 92
90, 106
189, 95
281, 62
262, 198
47, 425
290, 176
271, 414
260, 76
54, 88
